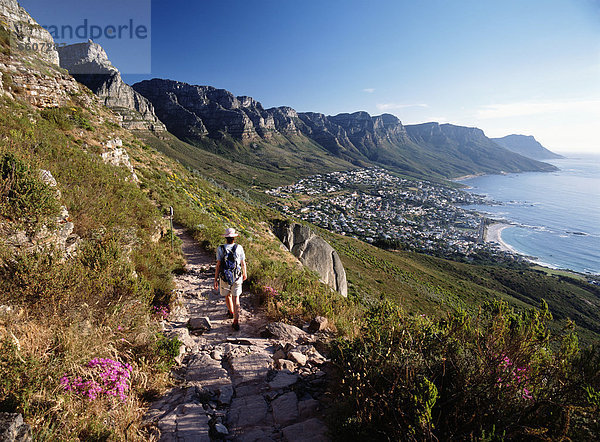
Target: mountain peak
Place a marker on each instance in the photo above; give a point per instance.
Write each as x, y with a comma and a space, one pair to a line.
89, 64
85, 58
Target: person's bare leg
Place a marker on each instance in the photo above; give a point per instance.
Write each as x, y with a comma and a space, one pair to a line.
236, 309
229, 303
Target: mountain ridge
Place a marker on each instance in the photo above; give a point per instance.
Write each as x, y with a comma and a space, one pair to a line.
195, 113
527, 146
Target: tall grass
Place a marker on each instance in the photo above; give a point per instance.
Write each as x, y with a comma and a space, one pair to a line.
60, 314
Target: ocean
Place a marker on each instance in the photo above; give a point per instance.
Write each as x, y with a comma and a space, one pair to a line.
556, 215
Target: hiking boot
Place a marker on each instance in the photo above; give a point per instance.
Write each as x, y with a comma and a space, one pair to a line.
229, 314
236, 326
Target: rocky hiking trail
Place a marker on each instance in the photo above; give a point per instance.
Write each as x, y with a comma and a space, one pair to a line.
265, 382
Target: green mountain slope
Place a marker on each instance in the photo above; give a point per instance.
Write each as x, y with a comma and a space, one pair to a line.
463, 150
425, 284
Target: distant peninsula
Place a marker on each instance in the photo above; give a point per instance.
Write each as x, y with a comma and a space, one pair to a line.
527, 146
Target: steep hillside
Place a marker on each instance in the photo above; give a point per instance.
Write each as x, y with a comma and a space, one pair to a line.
86, 261
426, 347
527, 146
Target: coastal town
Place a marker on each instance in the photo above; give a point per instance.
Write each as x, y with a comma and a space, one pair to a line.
392, 212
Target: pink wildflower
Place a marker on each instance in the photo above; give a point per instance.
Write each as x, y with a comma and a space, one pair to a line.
108, 378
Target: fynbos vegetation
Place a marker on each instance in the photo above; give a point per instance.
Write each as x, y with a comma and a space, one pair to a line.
500, 374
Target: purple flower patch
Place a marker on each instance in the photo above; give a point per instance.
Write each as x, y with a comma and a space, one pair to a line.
106, 378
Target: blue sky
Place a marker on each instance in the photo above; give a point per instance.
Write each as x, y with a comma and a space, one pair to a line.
506, 66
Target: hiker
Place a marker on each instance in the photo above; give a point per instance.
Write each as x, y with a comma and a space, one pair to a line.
230, 273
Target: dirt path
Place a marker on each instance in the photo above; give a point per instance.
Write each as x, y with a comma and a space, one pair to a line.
227, 385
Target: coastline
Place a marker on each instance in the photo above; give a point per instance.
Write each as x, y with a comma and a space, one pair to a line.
493, 234
466, 177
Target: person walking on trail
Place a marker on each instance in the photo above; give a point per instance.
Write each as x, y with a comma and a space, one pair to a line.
230, 274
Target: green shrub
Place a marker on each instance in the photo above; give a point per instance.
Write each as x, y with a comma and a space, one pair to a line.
24, 198
58, 116
168, 349
4, 40
80, 120
499, 373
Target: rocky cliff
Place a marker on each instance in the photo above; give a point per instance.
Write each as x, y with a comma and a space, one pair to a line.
26, 32
315, 253
89, 64
527, 146
25, 47
191, 111
194, 113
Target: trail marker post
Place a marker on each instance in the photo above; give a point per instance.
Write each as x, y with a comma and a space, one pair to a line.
171, 219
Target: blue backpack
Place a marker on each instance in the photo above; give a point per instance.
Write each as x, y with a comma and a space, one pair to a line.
230, 271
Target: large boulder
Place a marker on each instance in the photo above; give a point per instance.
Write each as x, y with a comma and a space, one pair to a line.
315, 253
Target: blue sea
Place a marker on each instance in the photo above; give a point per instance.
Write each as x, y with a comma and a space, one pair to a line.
556, 214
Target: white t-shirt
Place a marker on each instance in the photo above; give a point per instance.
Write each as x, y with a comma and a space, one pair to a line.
239, 253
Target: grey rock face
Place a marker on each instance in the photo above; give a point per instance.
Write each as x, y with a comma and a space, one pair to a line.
116, 155
315, 253
247, 411
60, 235
89, 64
283, 379
192, 112
285, 409
13, 429
27, 31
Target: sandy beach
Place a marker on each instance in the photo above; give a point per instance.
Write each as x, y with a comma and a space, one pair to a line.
493, 233
466, 177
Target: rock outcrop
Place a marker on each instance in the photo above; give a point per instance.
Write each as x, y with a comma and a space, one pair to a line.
13, 429
315, 253
527, 146
192, 112
116, 155
58, 235
25, 31
30, 46
89, 64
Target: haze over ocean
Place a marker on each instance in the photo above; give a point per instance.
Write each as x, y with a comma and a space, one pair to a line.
556, 215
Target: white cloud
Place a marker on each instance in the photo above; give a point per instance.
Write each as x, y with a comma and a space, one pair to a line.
369, 90
523, 108
392, 106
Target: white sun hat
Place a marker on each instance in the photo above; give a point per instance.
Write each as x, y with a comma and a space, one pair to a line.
230, 233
